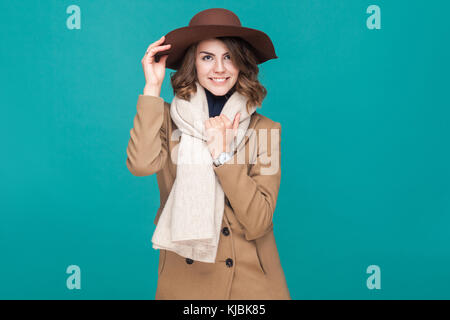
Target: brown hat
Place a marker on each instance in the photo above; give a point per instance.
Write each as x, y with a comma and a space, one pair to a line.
212, 23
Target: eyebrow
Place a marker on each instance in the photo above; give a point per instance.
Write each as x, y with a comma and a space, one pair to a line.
210, 53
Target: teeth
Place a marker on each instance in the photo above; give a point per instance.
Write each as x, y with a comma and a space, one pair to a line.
219, 79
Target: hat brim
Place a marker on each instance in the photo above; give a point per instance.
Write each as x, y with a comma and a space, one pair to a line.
181, 39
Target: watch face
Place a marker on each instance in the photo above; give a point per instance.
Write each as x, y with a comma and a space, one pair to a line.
222, 157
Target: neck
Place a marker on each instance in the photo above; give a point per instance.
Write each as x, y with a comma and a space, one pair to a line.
225, 95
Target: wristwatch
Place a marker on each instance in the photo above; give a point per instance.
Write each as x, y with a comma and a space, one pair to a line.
222, 158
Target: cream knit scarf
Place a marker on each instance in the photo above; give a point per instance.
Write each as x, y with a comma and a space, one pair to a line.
192, 216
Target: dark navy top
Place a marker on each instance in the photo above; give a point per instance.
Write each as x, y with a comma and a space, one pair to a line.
216, 103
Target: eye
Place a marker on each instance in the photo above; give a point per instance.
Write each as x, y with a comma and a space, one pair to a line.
206, 57
228, 56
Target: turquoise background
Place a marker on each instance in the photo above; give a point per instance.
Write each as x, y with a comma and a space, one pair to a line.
365, 145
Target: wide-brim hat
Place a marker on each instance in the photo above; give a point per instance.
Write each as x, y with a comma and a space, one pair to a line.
213, 23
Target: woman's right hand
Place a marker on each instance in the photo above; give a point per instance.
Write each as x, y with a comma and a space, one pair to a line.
154, 71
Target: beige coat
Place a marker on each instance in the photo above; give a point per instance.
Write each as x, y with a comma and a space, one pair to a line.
247, 264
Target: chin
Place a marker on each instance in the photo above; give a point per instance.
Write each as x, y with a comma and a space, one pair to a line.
218, 91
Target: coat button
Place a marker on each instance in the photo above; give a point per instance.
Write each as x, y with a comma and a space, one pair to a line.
226, 231
189, 261
229, 262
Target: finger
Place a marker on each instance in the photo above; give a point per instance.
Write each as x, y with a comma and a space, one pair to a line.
163, 59
212, 126
213, 122
156, 43
237, 117
226, 121
219, 121
153, 45
155, 55
151, 52
236, 122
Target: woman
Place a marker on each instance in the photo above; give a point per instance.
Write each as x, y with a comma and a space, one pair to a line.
216, 159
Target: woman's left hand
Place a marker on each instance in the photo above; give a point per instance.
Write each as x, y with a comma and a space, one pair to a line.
220, 133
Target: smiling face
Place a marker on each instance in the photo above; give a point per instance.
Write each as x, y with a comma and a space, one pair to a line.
215, 69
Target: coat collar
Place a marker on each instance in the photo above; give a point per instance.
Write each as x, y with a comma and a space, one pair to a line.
252, 125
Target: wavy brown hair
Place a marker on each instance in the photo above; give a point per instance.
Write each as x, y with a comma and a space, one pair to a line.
242, 56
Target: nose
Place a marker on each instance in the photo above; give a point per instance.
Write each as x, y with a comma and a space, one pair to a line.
219, 66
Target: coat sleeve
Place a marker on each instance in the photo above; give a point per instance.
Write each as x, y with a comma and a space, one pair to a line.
148, 148
253, 194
